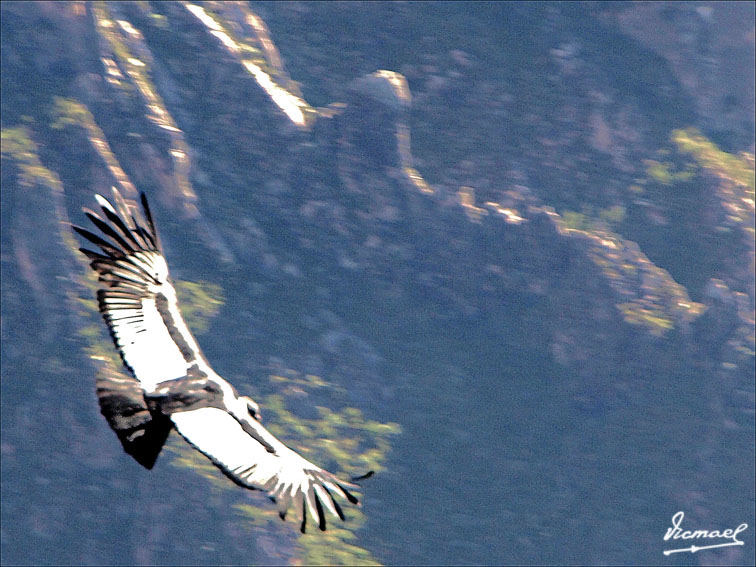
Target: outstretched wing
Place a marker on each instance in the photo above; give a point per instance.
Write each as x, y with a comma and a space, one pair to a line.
137, 298
285, 476
138, 303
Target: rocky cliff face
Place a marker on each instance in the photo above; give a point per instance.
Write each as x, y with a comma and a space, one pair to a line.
512, 230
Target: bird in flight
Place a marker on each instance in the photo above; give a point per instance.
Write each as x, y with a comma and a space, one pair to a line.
174, 385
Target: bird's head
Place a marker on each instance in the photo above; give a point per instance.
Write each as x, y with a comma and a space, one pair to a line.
252, 408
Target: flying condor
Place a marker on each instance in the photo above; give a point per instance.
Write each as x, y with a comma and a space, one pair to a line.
175, 386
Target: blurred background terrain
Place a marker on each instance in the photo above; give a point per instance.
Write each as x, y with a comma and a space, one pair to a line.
502, 253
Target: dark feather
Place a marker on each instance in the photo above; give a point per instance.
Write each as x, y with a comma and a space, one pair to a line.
339, 511
321, 515
303, 526
119, 224
362, 477
148, 216
349, 496
108, 231
106, 246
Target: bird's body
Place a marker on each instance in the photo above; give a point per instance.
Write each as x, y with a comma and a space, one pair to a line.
174, 385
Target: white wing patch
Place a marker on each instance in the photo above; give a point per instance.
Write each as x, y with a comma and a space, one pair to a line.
142, 337
284, 475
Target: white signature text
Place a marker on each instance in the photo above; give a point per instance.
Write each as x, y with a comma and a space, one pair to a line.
676, 532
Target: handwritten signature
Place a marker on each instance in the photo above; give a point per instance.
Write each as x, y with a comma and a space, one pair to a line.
676, 532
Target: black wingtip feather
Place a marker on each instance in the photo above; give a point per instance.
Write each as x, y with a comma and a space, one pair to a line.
349, 496
92, 255
336, 506
362, 477
106, 246
339, 511
321, 515
148, 217
145, 235
120, 225
108, 231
